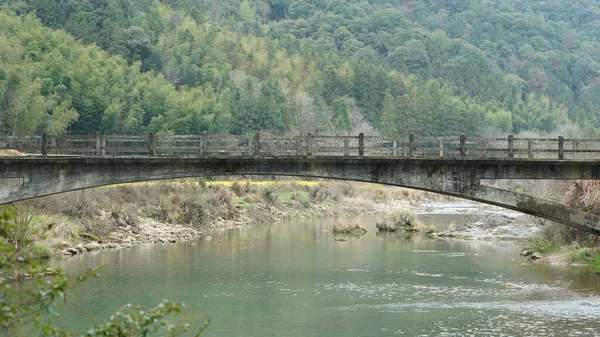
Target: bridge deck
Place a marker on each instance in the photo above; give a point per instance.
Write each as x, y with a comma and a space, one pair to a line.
28, 177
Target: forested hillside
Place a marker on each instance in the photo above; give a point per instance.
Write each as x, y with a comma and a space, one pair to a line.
285, 66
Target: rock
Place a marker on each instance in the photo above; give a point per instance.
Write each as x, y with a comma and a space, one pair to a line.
112, 245
340, 240
80, 248
117, 219
536, 256
92, 246
115, 236
444, 234
526, 252
72, 251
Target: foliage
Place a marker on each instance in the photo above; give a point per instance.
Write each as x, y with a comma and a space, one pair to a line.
348, 227
184, 66
596, 260
29, 309
540, 244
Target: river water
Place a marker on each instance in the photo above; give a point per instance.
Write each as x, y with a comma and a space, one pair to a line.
293, 279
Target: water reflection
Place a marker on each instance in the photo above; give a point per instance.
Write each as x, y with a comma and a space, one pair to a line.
295, 280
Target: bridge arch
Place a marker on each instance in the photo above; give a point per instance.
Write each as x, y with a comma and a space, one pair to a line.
457, 178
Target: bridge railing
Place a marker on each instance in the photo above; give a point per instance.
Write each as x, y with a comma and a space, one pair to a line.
305, 145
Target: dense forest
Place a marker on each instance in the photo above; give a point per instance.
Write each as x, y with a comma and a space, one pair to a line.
433, 67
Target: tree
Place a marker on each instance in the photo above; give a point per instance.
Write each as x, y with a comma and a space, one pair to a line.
341, 118
138, 44
412, 58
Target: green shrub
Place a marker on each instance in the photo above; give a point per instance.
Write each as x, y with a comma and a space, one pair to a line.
41, 251
540, 244
596, 260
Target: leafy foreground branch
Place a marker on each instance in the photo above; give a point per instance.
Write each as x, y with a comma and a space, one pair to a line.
28, 309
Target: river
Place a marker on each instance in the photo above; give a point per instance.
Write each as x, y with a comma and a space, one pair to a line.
293, 279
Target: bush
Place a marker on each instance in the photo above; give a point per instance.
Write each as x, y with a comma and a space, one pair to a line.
379, 195
192, 213
239, 189
269, 196
402, 218
540, 244
560, 235
580, 255
41, 251
348, 227
596, 260
326, 192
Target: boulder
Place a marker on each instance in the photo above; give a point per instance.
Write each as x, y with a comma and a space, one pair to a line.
115, 236
92, 246
72, 251
536, 256
526, 252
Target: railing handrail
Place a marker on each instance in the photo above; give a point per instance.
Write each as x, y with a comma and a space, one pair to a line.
305, 145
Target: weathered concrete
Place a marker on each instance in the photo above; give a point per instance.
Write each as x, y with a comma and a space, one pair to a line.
456, 177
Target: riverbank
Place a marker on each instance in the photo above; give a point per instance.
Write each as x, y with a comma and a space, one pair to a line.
117, 217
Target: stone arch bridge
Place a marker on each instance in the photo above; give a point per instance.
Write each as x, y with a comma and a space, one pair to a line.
456, 168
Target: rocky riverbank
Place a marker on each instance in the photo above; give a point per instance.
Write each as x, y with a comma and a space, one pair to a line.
146, 231
125, 233
491, 223
497, 224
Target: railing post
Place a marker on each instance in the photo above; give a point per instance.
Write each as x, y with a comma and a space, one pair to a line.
98, 144
309, 144
530, 148
441, 148
298, 146
44, 144
511, 146
361, 144
257, 144
463, 145
411, 145
484, 148
395, 148
203, 144
346, 147
151, 144
561, 147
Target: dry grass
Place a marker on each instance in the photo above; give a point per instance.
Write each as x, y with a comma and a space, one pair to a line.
348, 227
199, 203
583, 195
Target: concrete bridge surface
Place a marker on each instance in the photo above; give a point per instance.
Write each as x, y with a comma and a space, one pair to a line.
29, 177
